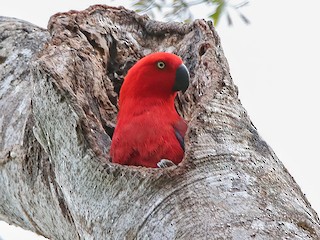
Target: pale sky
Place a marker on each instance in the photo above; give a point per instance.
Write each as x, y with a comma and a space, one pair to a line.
275, 63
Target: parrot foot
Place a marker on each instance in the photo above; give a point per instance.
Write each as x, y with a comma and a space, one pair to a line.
164, 163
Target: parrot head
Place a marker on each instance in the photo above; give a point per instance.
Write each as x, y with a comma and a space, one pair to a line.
158, 75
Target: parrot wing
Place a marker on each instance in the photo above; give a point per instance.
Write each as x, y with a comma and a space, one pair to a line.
180, 128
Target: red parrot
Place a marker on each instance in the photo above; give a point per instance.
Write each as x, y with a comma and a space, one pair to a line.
149, 128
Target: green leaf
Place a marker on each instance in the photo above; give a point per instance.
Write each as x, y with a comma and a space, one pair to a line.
218, 12
180, 9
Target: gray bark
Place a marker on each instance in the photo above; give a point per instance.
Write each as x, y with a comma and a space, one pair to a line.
58, 111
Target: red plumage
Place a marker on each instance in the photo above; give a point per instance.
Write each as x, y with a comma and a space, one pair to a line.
148, 126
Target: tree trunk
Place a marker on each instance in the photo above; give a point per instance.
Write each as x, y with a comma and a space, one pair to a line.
58, 111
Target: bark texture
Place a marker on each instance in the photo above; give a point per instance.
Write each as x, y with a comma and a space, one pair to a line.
55, 174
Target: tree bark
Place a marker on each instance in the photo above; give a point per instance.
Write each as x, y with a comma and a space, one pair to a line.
58, 111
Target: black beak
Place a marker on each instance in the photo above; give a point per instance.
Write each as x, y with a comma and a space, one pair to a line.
182, 79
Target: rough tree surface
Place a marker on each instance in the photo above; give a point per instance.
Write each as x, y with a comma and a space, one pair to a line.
58, 100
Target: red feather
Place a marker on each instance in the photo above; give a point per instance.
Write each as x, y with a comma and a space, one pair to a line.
148, 126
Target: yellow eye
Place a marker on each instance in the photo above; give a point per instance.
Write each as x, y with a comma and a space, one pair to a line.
161, 65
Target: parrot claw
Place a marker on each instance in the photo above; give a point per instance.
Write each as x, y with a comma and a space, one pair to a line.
164, 163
